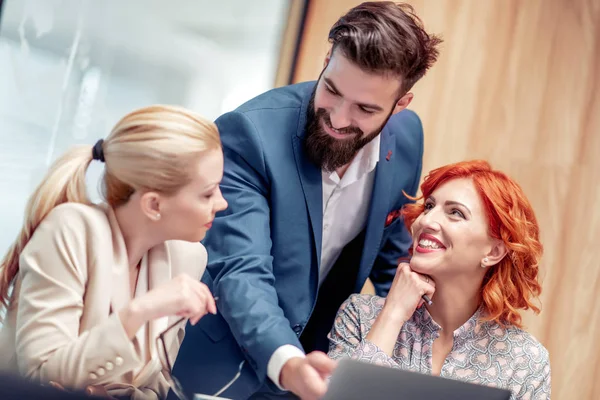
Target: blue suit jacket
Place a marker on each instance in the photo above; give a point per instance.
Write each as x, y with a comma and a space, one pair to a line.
265, 248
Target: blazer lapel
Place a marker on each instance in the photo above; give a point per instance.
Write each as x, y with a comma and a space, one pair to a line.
159, 272
379, 206
121, 292
310, 177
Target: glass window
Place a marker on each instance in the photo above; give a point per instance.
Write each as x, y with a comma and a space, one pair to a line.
69, 69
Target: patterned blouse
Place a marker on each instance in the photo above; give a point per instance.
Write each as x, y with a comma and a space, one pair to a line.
483, 353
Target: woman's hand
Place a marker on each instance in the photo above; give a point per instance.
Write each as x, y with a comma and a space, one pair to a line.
91, 390
401, 302
405, 294
182, 296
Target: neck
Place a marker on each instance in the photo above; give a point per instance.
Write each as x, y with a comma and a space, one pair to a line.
454, 303
134, 228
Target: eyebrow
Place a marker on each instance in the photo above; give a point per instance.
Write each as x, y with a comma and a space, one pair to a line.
210, 186
374, 107
454, 203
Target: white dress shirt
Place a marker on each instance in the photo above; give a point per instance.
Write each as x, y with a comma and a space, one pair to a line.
345, 208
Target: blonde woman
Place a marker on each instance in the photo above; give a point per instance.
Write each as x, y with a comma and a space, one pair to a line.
95, 287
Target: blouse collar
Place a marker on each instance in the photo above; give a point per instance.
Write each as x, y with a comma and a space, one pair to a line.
464, 333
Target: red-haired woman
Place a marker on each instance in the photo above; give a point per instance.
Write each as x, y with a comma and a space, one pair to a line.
476, 254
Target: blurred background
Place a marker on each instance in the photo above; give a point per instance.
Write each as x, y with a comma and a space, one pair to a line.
69, 69
517, 83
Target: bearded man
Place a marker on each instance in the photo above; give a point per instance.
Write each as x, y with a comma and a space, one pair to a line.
314, 175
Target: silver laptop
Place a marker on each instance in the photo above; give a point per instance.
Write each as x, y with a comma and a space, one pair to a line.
354, 380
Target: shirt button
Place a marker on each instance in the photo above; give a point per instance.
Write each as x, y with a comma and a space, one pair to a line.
101, 371
118, 361
326, 226
298, 329
109, 366
93, 376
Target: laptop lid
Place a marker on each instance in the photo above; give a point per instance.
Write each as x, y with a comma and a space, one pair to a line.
355, 380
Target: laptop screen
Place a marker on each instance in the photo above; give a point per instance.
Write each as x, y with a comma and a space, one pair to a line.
354, 380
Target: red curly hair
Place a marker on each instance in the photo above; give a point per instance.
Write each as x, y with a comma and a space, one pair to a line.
510, 285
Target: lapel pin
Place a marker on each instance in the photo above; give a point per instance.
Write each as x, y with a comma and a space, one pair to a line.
389, 155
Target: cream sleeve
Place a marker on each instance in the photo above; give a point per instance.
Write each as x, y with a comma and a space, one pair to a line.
53, 274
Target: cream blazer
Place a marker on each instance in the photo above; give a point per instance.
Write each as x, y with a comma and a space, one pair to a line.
62, 324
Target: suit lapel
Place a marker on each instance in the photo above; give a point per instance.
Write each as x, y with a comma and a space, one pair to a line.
121, 292
379, 206
158, 264
159, 272
310, 178
312, 186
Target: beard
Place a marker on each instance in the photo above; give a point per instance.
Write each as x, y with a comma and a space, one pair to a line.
326, 151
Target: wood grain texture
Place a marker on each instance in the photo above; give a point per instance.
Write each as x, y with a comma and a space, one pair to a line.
518, 83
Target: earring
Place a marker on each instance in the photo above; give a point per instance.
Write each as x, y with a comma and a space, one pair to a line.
157, 216
485, 261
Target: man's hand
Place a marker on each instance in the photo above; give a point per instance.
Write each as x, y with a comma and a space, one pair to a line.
306, 377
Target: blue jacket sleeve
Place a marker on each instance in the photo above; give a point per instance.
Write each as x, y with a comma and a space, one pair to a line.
239, 247
399, 240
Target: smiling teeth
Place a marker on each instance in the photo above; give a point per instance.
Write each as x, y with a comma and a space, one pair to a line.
429, 244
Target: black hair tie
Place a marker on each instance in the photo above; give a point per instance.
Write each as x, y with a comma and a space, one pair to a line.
98, 151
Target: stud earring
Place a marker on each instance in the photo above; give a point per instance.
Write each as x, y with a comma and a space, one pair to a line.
157, 217
485, 261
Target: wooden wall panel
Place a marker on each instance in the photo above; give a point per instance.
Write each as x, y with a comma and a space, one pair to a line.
518, 84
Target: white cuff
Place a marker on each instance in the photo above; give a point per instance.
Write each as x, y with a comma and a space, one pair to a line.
278, 360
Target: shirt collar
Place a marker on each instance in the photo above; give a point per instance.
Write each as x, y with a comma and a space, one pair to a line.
465, 332
372, 149
363, 163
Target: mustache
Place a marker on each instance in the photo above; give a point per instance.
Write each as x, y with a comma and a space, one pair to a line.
324, 115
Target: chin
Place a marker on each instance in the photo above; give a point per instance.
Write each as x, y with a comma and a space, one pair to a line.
423, 266
194, 237
200, 237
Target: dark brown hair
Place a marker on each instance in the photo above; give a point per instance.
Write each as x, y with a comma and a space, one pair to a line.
386, 37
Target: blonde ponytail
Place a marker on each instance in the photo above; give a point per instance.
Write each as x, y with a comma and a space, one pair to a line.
152, 148
64, 182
